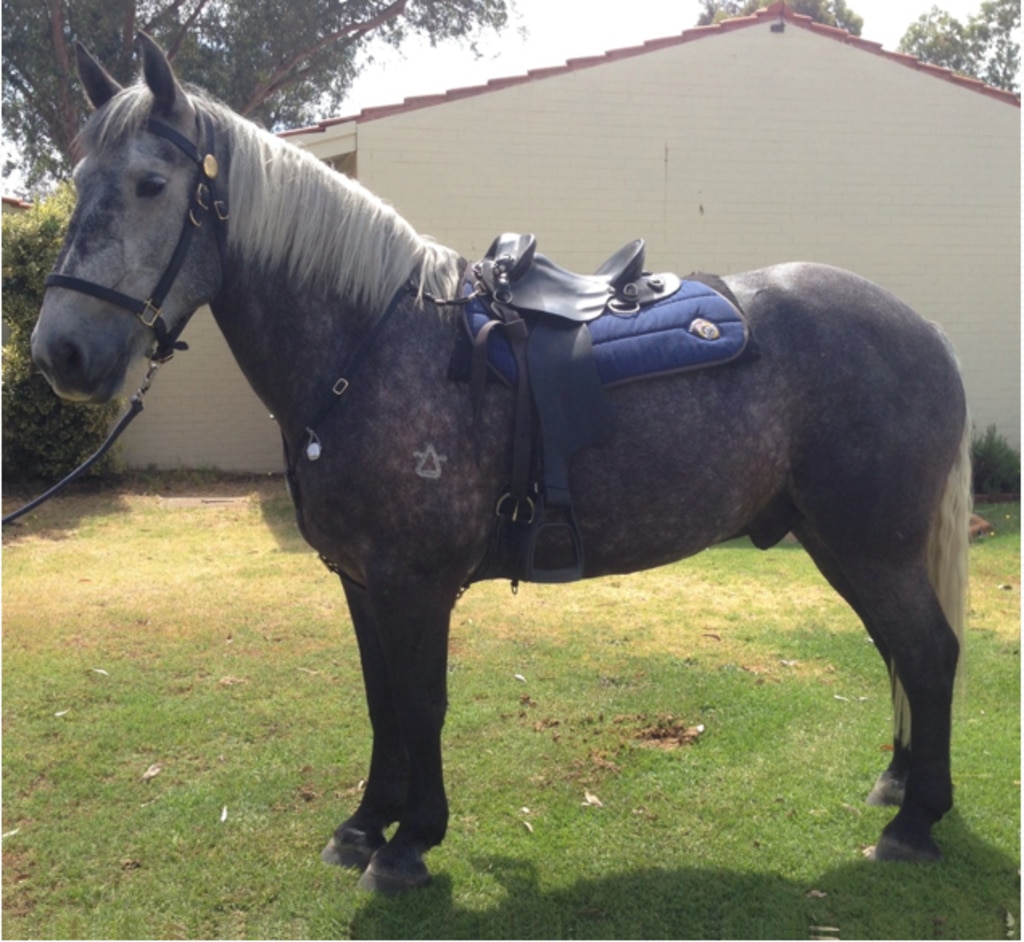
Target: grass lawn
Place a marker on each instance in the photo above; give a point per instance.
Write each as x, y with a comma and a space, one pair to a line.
680, 753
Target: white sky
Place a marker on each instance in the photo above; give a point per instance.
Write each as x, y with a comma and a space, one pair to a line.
548, 32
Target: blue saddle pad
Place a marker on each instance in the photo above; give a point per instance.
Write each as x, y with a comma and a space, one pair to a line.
693, 328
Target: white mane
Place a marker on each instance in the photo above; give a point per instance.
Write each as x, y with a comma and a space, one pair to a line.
289, 209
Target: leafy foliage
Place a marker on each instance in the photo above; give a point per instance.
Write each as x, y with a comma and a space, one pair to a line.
984, 47
827, 12
995, 464
279, 62
43, 436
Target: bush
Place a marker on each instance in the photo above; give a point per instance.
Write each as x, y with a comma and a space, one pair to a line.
996, 465
44, 436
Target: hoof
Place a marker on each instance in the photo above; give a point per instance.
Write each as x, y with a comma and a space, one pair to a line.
888, 791
890, 848
390, 879
350, 848
345, 855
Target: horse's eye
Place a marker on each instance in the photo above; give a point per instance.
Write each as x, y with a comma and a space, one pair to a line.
150, 186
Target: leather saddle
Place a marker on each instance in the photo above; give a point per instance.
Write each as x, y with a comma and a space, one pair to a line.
543, 311
514, 273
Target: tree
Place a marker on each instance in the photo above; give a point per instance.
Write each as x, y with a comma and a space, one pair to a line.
826, 12
279, 62
984, 47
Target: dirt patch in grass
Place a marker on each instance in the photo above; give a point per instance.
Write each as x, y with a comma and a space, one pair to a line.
665, 732
18, 867
206, 500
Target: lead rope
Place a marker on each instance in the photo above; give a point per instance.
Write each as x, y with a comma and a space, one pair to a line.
134, 408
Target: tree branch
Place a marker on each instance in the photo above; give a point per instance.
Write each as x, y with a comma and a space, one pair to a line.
285, 74
68, 110
190, 21
128, 31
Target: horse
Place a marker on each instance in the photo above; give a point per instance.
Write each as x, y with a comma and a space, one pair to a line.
849, 429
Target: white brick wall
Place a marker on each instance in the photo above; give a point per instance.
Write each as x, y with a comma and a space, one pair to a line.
201, 413
729, 152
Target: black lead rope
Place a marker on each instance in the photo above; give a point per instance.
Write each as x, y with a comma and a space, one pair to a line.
134, 408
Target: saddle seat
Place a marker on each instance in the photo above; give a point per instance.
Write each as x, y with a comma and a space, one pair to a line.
514, 273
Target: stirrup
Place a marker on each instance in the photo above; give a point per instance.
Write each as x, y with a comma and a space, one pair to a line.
571, 573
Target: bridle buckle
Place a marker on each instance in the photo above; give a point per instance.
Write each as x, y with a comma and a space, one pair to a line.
151, 311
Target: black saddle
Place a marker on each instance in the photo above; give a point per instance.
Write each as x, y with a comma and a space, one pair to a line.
543, 310
514, 273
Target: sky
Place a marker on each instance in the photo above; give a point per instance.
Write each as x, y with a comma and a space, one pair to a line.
545, 33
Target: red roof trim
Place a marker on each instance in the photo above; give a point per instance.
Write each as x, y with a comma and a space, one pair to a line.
775, 10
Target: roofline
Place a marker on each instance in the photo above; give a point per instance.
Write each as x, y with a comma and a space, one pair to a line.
778, 10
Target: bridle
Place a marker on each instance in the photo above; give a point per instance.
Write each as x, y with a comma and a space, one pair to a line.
205, 201
148, 311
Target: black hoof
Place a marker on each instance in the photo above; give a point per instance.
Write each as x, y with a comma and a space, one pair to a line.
892, 848
350, 848
393, 877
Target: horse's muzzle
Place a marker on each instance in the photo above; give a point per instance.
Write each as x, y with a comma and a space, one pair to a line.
73, 369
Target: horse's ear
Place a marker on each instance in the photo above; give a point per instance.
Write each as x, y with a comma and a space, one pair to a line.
159, 75
100, 86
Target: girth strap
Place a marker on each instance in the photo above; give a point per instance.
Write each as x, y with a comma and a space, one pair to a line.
516, 504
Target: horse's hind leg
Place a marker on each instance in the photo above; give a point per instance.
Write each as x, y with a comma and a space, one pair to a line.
924, 651
898, 605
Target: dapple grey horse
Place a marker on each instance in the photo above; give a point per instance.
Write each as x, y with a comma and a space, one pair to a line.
848, 428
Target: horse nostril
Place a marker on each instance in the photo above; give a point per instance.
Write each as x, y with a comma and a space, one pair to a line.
61, 361
71, 358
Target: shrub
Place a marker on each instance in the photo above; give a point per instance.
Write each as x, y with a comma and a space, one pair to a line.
44, 436
996, 465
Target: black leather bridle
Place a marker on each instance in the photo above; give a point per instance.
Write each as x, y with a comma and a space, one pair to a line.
205, 202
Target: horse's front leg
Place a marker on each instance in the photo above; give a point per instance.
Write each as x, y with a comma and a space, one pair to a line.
356, 839
403, 642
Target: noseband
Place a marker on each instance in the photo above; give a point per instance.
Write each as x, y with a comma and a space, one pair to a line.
205, 201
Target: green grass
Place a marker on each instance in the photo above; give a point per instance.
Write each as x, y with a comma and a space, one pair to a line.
227, 659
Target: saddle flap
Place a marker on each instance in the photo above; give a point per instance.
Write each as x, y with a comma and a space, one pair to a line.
573, 410
573, 414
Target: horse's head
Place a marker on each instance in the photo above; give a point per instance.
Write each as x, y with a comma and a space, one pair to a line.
143, 249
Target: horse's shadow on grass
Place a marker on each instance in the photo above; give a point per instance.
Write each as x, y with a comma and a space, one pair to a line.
278, 514
58, 519
973, 889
